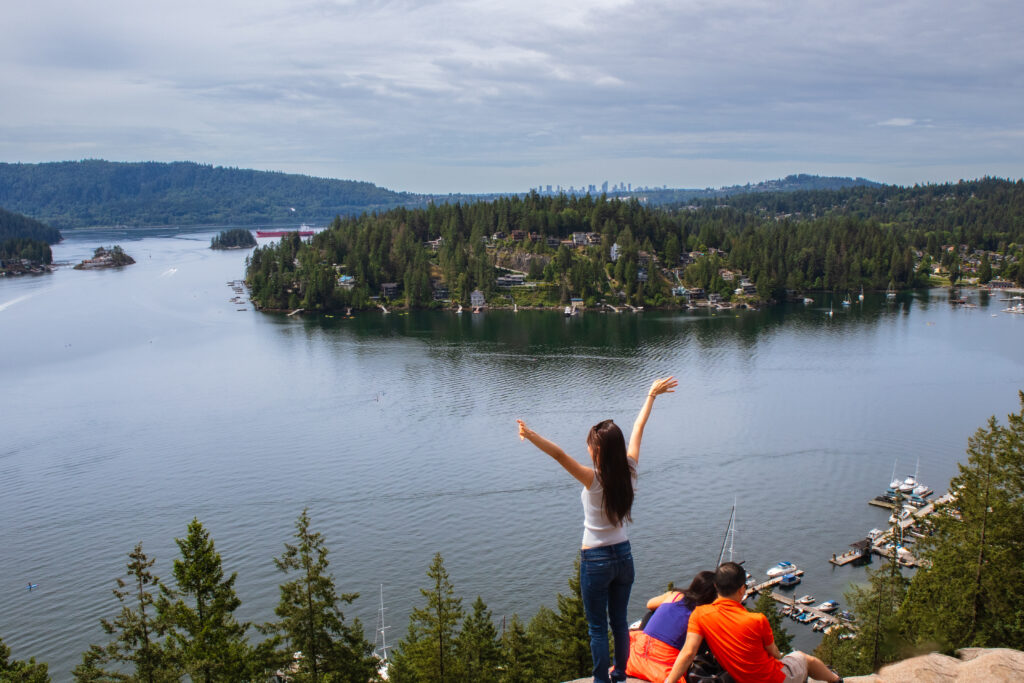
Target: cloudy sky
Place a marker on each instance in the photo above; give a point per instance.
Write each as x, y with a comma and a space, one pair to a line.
504, 95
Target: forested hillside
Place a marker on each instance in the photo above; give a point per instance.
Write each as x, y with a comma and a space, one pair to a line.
599, 249
74, 194
14, 225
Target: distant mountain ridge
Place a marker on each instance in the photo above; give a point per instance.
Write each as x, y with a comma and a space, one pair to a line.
93, 192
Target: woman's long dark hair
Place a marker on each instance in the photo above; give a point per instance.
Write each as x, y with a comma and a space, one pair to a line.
701, 591
613, 470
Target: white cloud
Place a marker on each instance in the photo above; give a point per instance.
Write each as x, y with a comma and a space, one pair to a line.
898, 122
466, 90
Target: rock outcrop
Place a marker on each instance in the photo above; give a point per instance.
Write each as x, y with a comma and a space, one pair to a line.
972, 665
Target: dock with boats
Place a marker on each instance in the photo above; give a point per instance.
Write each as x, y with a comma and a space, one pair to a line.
909, 501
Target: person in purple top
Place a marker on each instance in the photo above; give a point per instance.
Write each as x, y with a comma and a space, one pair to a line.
653, 650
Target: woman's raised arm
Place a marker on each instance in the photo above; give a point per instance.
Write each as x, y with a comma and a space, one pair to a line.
582, 473
658, 387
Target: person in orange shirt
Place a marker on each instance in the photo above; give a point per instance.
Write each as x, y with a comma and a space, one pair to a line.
742, 641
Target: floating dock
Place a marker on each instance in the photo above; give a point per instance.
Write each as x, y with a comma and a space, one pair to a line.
879, 544
771, 582
826, 617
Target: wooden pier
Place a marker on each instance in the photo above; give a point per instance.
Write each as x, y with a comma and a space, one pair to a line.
879, 544
826, 617
770, 582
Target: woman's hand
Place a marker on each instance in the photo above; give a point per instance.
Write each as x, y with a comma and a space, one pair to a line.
663, 386
523, 430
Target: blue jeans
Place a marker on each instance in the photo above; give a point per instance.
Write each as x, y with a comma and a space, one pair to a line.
606, 577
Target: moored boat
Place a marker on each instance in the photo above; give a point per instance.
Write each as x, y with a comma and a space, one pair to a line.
783, 567
827, 606
789, 580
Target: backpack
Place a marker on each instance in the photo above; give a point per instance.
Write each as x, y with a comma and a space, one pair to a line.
706, 669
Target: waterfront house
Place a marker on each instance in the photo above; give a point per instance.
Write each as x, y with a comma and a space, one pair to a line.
476, 299
389, 290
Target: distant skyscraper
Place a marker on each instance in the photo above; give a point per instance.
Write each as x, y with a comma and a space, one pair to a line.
604, 187
549, 189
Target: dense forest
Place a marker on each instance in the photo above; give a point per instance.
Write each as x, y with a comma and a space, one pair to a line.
17, 225
35, 251
598, 249
234, 238
968, 592
75, 194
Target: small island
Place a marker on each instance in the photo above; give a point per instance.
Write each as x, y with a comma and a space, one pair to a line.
106, 257
237, 238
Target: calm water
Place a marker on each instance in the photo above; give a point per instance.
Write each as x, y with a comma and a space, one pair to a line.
135, 400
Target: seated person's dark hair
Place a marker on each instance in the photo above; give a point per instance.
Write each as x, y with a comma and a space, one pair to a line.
729, 578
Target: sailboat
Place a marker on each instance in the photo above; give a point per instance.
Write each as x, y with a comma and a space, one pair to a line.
861, 297
381, 652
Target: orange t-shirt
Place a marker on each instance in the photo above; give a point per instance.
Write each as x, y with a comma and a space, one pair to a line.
738, 639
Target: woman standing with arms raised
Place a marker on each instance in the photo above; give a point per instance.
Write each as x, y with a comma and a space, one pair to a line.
606, 563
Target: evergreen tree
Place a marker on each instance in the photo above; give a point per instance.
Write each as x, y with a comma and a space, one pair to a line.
766, 605
876, 605
561, 639
311, 620
138, 631
206, 640
476, 647
985, 270
517, 654
17, 671
427, 653
970, 590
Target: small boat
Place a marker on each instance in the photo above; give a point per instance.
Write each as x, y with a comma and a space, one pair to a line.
786, 610
861, 297
846, 615
789, 580
568, 311
846, 301
808, 300
796, 612
890, 293
827, 606
805, 599
781, 568
31, 586
807, 618
905, 513
820, 626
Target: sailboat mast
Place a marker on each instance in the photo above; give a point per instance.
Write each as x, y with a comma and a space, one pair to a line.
727, 540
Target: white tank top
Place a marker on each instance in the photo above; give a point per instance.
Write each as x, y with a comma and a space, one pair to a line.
597, 529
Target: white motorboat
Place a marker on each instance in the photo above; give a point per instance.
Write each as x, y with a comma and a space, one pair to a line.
827, 606
805, 599
781, 568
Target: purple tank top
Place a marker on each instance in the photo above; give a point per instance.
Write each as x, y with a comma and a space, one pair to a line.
668, 623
